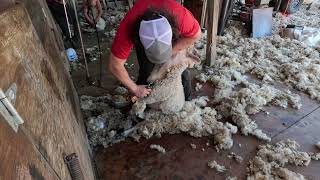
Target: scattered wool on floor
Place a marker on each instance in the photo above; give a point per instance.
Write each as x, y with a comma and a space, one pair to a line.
198, 87
270, 60
193, 146
304, 17
216, 166
270, 161
231, 178
315, 156
103, 122
158, 148
76, 66
237, 158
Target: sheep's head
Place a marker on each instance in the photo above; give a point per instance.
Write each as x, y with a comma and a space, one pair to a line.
188, 57
192, 57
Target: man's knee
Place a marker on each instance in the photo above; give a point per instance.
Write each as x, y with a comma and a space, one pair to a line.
186, 75
186, 82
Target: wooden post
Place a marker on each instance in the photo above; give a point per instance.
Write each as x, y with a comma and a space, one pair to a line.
130, 4
213, 18
204, 13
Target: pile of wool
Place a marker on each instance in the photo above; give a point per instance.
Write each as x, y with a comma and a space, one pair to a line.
270, 161
306, 16
237, 98
194, 119
247, 69
105, 124
315, 156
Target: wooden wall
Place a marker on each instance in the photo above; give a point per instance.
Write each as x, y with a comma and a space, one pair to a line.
31, 56
195, 7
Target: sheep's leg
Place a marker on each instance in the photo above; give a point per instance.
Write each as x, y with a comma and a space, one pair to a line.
160, 93
175, 102
156, 96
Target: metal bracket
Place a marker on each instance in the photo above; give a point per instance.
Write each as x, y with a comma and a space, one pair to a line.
7, 110
11, 93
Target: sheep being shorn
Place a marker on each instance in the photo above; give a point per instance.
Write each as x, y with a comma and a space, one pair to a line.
167, 92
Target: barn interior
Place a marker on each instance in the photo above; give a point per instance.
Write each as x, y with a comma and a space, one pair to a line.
253, 114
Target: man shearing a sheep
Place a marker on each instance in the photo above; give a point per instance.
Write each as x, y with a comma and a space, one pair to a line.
158, 29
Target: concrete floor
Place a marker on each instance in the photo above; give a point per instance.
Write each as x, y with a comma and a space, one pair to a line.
131, 160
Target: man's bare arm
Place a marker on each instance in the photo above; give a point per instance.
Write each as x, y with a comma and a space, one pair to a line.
99, 8
116, 67
85, 12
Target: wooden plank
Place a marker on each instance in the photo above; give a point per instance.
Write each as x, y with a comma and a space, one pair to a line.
45, 98
213, 17
19, 157
130, 2
195, 7
204, 13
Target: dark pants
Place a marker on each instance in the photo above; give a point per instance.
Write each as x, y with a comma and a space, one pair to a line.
57, 11
146, 67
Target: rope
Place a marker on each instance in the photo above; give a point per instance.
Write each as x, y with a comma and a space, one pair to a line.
66, 14
81, 40
99, 47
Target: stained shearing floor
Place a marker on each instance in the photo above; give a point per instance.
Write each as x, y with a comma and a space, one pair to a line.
132, 160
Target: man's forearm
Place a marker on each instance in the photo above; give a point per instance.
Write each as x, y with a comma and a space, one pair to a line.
120, 72
85, 12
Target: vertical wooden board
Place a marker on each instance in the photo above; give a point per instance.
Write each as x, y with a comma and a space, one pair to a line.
44, 90
130, 2
20, 160
195, 7
213, 17
204, 14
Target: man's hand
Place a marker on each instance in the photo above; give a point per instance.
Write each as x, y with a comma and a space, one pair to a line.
141, 91
116, 67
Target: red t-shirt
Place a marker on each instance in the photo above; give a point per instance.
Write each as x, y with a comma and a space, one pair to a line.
188, 26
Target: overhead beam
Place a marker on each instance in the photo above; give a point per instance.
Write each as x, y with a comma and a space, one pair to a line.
213, 7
